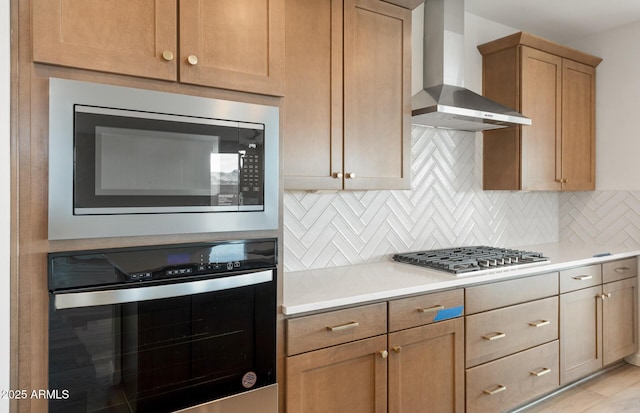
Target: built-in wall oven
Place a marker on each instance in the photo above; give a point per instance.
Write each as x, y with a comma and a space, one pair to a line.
163, 328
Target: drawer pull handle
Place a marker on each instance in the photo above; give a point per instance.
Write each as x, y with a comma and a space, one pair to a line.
622, 269
499, 388
431, 309
582, 277
539, 323
540, 372
494, 336
342, 327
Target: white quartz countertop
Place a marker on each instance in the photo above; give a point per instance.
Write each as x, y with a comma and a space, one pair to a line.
327, 288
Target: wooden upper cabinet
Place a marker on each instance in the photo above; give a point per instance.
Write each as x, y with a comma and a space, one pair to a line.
233, 44
117, 36
555, 87
346, 111
229, 44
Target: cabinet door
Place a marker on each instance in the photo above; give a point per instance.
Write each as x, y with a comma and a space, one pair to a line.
312, 107
233, 44
619, 319
426, 368
580, 333
377, 95
578, 126
541, 101
346, 378
119, 36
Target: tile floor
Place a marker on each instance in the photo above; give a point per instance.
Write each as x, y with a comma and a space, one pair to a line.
616, 391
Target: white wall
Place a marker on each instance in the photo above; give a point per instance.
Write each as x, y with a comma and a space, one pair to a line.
4, 204
617, 106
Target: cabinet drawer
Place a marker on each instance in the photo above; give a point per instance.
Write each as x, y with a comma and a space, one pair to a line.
506, 383
417, 311
504, 293
619, 270
581, 277
336, 327
494, 334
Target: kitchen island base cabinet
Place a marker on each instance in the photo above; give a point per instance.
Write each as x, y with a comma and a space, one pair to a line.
346, 378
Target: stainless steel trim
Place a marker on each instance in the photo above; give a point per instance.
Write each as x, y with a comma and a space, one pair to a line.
263, 400
63, 224
135, 294
160, 116
149, 210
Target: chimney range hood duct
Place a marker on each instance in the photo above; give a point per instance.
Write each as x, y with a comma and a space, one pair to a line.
444, 102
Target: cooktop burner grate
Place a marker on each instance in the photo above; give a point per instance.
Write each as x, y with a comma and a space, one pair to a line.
467, 259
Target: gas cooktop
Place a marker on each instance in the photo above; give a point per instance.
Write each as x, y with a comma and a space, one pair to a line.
471, 259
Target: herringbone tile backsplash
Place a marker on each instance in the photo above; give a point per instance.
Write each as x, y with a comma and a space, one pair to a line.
601, 217
445, 207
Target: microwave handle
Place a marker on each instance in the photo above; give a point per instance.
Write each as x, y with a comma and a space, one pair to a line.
130, 295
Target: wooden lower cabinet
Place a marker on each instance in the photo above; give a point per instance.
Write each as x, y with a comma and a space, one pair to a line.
619, 319
508, 382
426, 368
580, 333
599, 323
350, 377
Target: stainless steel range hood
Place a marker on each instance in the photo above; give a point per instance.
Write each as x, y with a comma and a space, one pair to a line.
444, 102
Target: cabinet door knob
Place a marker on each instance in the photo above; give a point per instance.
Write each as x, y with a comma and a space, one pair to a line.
397, 349
167, 55
384, 354
193, 60
337, 175
350, 175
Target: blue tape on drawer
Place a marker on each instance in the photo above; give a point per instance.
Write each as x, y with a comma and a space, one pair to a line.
448, 313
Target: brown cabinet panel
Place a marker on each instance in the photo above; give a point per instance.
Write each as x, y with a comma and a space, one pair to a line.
377, 49
347, 106
501, 332
335, 327
619, 270
117, 36
426, 368
312, 109
541, 101
501, 294
511, 381
580, 334
620, 315
346, 378
237, 44
545, 82
580, 277
417, 311
578, 126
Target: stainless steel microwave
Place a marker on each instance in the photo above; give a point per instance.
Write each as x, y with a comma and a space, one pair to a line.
126, 162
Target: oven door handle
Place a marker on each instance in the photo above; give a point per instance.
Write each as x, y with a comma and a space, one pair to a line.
131, 295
